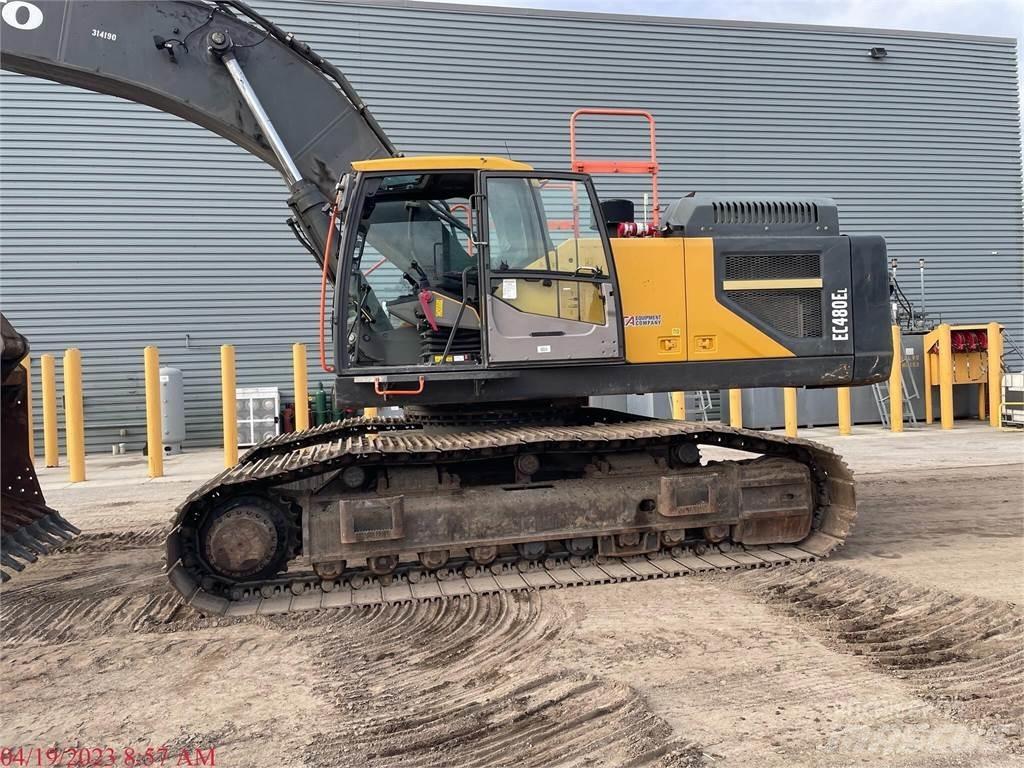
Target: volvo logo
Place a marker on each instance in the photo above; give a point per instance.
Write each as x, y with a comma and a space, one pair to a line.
21, 15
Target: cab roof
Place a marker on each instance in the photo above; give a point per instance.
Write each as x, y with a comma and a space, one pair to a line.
441, 163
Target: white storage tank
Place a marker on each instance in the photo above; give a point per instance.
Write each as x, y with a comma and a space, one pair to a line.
172, 409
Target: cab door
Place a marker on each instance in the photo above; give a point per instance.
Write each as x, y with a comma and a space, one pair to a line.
550, 293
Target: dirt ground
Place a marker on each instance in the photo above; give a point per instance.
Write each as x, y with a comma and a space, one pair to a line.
904, 649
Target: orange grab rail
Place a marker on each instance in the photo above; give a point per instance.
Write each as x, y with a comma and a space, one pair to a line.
379, 390
649, 166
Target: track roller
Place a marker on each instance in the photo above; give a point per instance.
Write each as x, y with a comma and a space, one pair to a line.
434, 559
382, 565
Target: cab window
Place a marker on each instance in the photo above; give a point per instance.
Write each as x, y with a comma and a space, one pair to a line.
545, 225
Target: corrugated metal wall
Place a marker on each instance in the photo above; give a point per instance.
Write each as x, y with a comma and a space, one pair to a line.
124, 227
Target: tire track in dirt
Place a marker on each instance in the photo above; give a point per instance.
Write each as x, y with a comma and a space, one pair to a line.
94, 543
66, 620
962, 652
466, 682
97, 584
204, 687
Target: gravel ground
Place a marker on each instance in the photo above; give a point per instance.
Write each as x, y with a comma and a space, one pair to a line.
905, 649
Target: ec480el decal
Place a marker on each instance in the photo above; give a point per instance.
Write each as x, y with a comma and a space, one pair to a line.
840, 315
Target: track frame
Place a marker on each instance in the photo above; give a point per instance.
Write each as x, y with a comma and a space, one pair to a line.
299, 465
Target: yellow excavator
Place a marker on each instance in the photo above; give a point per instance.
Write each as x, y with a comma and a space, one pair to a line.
489, 301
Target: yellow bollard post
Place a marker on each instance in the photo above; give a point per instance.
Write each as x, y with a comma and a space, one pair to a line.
995, 375
736, 408
789, 408
982, 402
154, 422
929, 415
300, 379
843, 406
27, 365
74, 414
227, 404
678, 406
945, 376
48, 374
896, 382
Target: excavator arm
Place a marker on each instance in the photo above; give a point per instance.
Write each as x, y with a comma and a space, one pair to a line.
220, 65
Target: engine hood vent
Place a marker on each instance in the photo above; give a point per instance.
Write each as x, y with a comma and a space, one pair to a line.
721, 215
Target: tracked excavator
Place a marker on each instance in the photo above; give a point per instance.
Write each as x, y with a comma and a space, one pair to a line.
489, 300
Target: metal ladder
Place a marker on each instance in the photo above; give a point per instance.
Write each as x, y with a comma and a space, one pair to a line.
702, 402
1008, 341
698, 404
910, 394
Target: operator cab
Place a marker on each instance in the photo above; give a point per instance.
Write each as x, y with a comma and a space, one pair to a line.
472, 262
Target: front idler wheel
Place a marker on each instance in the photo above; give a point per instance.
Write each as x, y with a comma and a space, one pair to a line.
246, 539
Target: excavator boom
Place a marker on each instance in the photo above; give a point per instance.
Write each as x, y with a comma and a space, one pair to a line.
164, 54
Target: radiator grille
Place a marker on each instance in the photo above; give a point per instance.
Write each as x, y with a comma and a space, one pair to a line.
772, 266
793, 312
763, 212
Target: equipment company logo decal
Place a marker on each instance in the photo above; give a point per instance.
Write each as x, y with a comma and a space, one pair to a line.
641, 321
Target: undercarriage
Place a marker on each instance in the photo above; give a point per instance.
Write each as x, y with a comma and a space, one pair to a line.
367, 511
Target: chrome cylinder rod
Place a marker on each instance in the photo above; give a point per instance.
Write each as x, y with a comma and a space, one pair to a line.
288, 167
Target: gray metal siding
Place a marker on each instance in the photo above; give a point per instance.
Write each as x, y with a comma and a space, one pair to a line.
124, 227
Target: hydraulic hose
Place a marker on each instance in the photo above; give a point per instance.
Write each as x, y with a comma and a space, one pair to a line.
323, 281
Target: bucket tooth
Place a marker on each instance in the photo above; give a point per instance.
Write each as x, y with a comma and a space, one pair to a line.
36, 531
27, 540
11, 547
57, 537
50, 525
9, 562
58, 519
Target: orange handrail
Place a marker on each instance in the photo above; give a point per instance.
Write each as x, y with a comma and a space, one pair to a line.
381, 391
647, 167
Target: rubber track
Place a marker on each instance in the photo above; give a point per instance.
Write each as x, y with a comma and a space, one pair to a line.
360, 441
